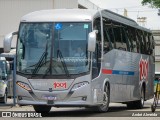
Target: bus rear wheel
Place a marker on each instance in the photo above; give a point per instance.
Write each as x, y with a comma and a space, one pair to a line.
106, 99
140, 103
42, 108
137, 104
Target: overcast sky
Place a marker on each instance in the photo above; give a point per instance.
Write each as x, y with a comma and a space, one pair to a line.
134, 8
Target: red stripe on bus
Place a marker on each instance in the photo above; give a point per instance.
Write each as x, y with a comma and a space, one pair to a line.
105, 71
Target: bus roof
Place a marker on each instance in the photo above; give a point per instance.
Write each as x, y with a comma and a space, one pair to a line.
60, 15
77, 15
122, 19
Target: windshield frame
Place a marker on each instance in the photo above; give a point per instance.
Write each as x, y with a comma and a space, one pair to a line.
52, 47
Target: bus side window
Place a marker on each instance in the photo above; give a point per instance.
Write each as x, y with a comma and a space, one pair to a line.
117, 37
120, 43
125, 39
111, 36
131, 39
132, 36
147, 44
144, 43
107, 41
134, 46
137, 41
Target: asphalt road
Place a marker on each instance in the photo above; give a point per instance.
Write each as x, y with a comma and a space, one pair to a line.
116, 111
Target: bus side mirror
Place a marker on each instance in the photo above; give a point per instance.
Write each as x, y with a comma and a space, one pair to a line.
92, 41
7, 42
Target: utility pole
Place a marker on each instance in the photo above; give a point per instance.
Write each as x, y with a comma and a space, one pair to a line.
142, 21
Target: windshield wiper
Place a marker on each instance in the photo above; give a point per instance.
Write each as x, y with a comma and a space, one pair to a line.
63, 62
41, 61
39, 64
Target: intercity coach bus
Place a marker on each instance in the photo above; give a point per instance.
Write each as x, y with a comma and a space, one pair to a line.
82, 58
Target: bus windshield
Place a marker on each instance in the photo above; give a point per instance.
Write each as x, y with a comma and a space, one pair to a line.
53, 48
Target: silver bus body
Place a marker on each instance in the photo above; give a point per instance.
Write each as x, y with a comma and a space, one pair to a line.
119, 69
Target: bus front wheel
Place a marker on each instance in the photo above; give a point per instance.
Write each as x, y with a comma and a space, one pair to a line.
42, 108
106, 99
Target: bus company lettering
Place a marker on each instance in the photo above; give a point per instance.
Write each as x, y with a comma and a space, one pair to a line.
60, 84
143, 69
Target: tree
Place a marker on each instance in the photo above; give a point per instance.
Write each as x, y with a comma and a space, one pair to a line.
153, 3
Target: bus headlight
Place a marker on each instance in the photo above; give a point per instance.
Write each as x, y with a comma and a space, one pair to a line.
79, 85
24, 86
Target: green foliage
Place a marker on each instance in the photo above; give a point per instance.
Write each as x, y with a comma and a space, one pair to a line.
153, 3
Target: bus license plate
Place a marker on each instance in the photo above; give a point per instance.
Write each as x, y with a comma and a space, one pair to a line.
49, 97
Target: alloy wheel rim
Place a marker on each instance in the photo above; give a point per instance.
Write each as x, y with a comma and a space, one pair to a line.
142, 99
105, 98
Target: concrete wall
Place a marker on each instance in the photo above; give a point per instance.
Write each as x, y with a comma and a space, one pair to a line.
58, 4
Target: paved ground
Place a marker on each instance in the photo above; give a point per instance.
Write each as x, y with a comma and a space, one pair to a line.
116, 110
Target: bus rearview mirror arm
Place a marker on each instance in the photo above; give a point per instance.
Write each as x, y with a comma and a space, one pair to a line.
92, 40
7, 41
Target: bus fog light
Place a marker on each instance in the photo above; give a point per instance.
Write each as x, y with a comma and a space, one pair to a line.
19, 98
24, 86
84, 98
79, 85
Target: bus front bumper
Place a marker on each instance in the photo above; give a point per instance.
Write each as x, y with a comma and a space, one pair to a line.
79, 97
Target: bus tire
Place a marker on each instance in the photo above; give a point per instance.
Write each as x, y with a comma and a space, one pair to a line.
106, 100
140, 103
4, 98
130, 105
42, 108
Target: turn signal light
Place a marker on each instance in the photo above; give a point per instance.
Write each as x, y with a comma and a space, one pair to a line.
24, 86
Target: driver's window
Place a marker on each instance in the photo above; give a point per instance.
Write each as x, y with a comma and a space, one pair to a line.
97, 54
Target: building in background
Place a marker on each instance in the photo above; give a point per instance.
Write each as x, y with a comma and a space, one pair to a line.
85, 4
11, 12
156, 34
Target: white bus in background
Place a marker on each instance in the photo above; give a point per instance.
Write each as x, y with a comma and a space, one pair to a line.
4, 68
83, 58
